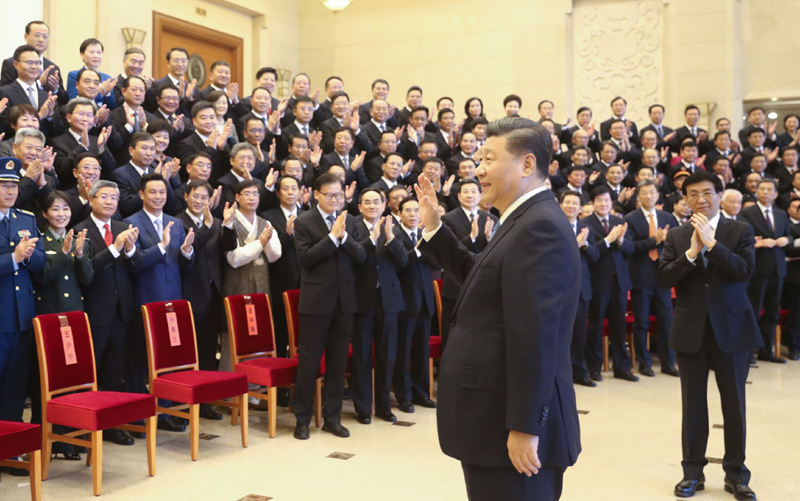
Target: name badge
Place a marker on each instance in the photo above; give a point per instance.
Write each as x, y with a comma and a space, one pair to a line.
172, 326
252, 324
67, 342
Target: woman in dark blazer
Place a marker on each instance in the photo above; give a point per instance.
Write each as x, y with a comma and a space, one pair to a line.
69, 265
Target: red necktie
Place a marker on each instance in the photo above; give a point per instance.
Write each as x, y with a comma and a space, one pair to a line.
108, 237
653, 230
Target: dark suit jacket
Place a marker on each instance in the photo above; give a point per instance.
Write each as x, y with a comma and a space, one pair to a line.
682, 132
150, 103
769, 261
782, 175
611, 268
81, 211
158, 278
605, 135
364, 115
380, 267
128, 181
643, 270
220, 159
744, 132
327, 269
50, 127
589, 254
284, 274
119, 119
416, 280
185, 106
507, 364
443, 149
456, 220
111, 285
9, 74
198, 282
660, 141
66, 148
566, 138
793, 267
718, 293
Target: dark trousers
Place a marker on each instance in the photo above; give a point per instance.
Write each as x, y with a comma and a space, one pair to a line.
207, 321
577, 348
136, 373
329, 334
485, 483
378, 328
413, 347
659, 302
611, 306
448, 305
791, 302
730, 371
15, 354
765, 295
110, 352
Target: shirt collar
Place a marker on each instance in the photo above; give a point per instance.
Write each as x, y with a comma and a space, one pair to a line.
391, 184
763, 207
377, 124
324, 214
197, 221
25, 86
601, 219
647, 214
287, 213
519, 201
75, 135
300, 126
714, 221
204, 138
173, 79
573, 188
153, 218
165, 115
140, 170
100, 225
468, 212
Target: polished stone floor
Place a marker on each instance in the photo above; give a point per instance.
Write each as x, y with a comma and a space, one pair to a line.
630, 435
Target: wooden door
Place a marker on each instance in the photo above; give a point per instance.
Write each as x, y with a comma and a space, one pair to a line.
204, 45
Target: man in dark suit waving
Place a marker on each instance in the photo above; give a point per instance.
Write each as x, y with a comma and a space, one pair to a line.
506, 402
709, 261
328, 245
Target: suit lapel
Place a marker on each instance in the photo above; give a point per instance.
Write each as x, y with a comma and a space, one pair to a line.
149, 226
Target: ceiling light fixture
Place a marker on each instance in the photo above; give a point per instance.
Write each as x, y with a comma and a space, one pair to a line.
336, 6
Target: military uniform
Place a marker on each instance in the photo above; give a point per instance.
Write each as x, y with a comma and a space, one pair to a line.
17, 298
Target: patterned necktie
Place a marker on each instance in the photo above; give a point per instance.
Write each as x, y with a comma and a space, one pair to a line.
171, 119
330, 220
471, 218
653, 229
32, 97
769, 222
346, 162
605, 225
107, 236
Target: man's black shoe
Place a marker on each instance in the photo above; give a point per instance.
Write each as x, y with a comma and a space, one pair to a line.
770, 357
171, 423
208, 412
740, 491
406, 407
424, 402
119, 437
627, 376
584, 382
301, 432
794, 354
391, 418
687, 488
646, 371
595, 376
670, 371
364, 419
336, 429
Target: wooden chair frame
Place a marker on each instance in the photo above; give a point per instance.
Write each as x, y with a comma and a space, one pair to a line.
34, 467
240, 402
437, 294
272, 393
293, 329
95, 445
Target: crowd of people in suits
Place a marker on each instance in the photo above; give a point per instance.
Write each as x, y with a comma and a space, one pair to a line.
126, 190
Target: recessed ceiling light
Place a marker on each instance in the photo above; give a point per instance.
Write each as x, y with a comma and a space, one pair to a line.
773, 99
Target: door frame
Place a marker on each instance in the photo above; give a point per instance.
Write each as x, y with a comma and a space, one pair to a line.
163, 22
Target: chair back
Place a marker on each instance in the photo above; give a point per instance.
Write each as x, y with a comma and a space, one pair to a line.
437, 293
169, 330
66, 353
252, 332
291, 301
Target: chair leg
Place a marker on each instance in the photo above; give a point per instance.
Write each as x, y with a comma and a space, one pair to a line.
605, 354
46, 449
272, 394
194, 429
632, 351
430, 377
244, 402
234, 416
35, 461
97, 462
291, 394
150, 432
318, 404
778, 341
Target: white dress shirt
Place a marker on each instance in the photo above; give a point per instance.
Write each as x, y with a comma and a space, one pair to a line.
713, 222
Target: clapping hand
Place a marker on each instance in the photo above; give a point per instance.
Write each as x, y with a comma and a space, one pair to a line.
66, 246
186, 248
376, 230
79, 242
581, 237
165, 236
265, 235
428, 203
338, 230
228, 212
25, 249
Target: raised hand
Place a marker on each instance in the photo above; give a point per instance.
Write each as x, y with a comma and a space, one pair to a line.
222, 139
315, 156
669, 137
66, 246
593, 176
315, 97
357, 161
79, 242
702, 136
448, 185
266, 235
272, 176
165, 236
474, 230
338, 230
212, 139
388, 229
228, 212
208, 219
178, 124
272, 151
3, 104
25, 249
622, 231
349, 191
428, 203
232, 91
190, 90
581, 236
101, 116
290, 224
108, 86
186, 248
661, 234
216, 197
306, 196
703, 229
282, 106
376, 230
488, 229
133, 236
43, 78
102, 139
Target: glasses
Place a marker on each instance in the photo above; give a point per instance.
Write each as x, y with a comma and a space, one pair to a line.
84, 114
41, 36
33, 62
90, 168
256, 131
170, 99
708, 194
250, 194
333, 196
107, 198
199, 198
180, 61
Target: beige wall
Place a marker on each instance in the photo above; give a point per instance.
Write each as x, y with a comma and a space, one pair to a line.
269, 28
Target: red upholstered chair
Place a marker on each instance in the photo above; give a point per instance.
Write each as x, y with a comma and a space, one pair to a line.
70, 397
628, 337
435, 341
174, 373
17, 439
291, 301
252, 338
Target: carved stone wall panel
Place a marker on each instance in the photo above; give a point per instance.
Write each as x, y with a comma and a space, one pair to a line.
618, 52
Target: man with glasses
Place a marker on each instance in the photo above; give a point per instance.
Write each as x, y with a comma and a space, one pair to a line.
178, 63
168, 107
37, 34
26, 90
87, 173
709, 262
327, 245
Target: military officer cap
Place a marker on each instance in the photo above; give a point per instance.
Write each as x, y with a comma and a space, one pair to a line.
9, 170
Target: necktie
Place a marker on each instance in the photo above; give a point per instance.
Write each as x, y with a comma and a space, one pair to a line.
171, 120
414, 238
653, 252
107, 236
769, 222
382, 127
32, 97
3, 223
495, 228
705, 259
264, 119
575, 229
136, 126
305, 130
660, 131
605, 225
346, 162
159, 231
471, 218
330, 220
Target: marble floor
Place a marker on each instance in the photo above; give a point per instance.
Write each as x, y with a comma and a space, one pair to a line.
630, 435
